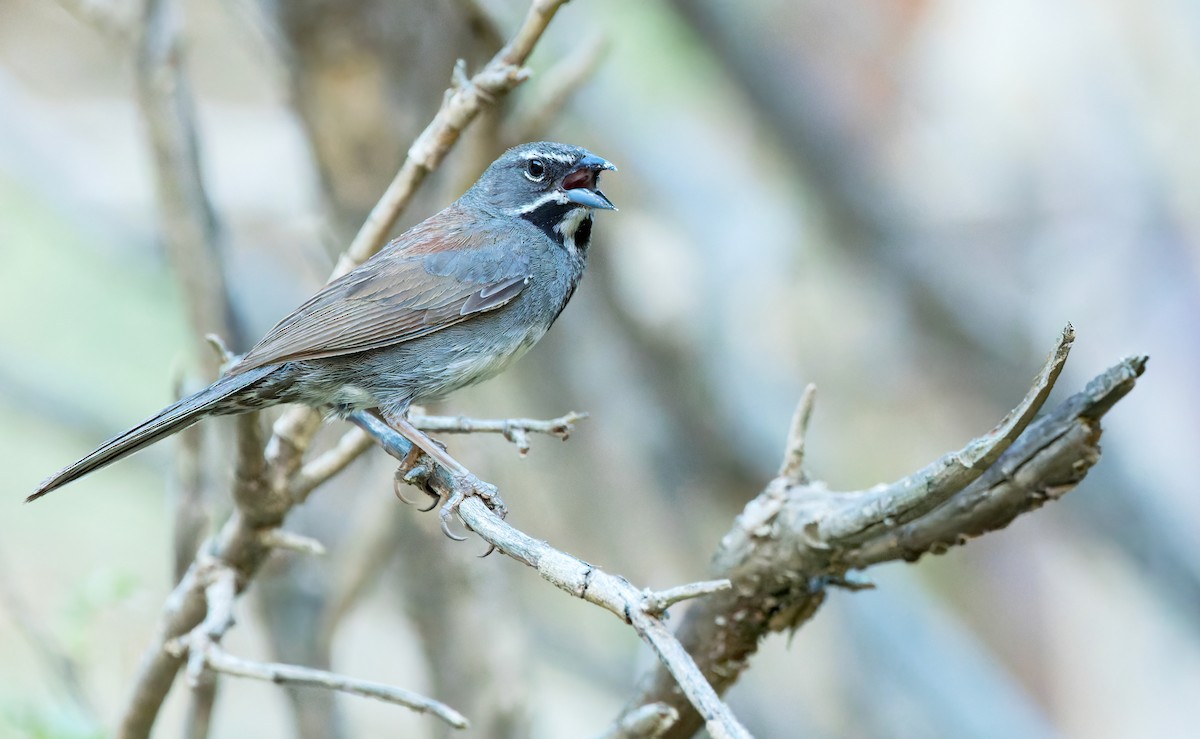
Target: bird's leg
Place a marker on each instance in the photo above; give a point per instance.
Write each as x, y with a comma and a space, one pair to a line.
463, 477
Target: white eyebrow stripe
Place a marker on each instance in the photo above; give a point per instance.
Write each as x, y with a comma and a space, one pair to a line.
561, 158
556, 196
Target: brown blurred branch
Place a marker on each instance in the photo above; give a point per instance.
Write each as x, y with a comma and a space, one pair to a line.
191, 232
796, 539
262, 490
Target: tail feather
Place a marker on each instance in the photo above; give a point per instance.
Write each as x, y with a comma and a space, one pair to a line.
169, 420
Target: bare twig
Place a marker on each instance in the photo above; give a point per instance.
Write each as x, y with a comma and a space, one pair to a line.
462, 103
1047, 462
201, 647
355, 442
215, 658
792, 467
781, 556
291, 541
349, 447
516, 430
658, 601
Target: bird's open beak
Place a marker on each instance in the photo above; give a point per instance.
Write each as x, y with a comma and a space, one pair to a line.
580, 183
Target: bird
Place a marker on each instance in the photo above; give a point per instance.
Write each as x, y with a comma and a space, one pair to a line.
449, 303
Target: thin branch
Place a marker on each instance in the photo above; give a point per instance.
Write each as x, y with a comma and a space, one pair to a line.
203, 651
215, 658
516, 430
291, 541
355, 442
317, 471
658, 601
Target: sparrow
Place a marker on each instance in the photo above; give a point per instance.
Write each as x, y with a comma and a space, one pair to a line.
451, 302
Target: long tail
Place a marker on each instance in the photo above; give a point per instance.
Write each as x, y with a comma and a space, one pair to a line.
169, 420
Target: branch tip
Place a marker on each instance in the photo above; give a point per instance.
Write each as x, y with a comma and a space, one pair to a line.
792, 467
656, 602
277, 538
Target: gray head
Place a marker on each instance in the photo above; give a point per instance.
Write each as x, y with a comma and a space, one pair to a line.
543, 181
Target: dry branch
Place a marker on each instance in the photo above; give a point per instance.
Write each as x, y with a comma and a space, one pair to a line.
796, 539
202, 648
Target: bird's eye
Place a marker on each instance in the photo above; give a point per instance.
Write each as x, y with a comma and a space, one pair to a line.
535, 170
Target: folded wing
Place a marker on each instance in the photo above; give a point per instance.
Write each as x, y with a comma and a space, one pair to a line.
436, 275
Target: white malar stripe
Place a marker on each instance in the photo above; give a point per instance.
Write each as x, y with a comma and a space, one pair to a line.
561, 158
569, 225
555, 196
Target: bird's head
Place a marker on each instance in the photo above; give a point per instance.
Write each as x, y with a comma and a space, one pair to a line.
554, 186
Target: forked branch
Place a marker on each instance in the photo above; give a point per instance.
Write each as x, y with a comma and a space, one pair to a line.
797, 538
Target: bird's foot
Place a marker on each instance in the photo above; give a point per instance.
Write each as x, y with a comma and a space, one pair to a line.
468, 484
414, 470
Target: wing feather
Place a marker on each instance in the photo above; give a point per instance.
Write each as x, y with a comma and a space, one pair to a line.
435, 275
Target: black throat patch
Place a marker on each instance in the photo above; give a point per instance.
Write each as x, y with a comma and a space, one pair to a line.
558, 220
547, 216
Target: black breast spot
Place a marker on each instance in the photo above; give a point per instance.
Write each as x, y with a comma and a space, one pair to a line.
583, 235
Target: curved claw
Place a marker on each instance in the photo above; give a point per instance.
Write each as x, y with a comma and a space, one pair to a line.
413, 476
491, 548
396, 481
445, 515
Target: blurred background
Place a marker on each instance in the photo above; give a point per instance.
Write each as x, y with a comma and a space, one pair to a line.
902, 202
